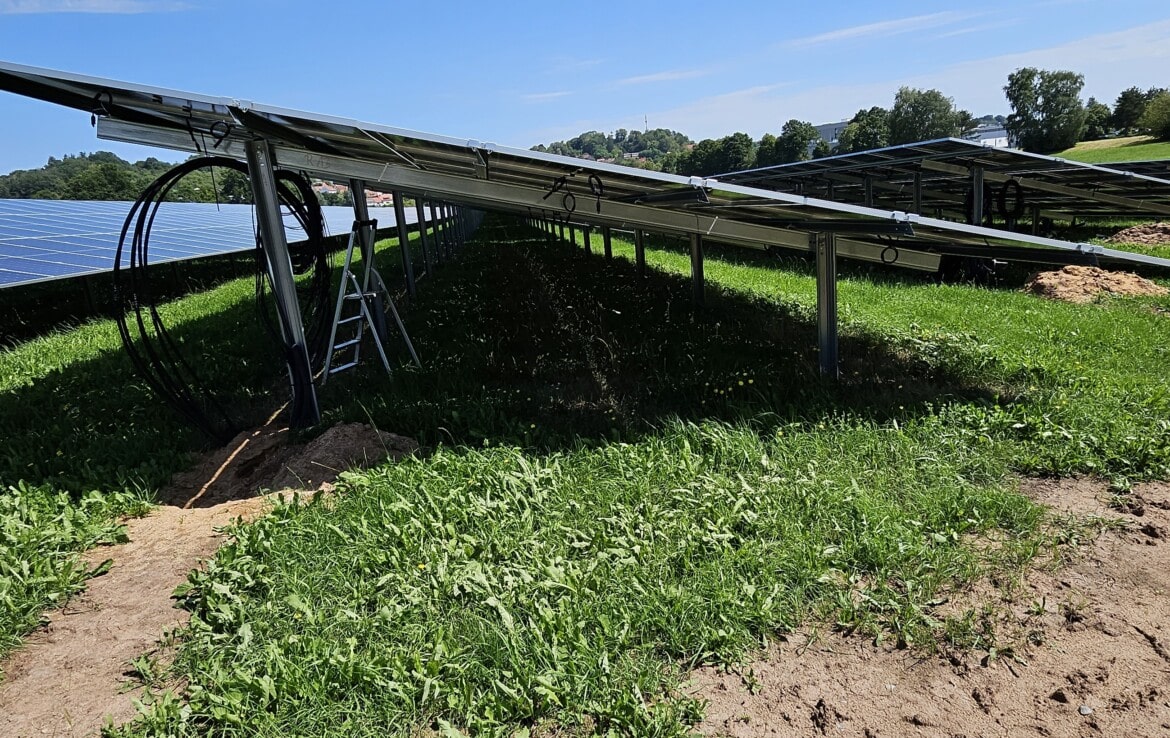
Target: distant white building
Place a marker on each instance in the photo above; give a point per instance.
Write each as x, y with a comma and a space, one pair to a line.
992, 135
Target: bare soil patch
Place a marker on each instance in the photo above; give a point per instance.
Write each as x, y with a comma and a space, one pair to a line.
76, 671
1084, 284
1091, 652
1150, 234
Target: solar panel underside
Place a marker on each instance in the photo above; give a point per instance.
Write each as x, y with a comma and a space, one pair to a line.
942, 171
487, 176
42, 240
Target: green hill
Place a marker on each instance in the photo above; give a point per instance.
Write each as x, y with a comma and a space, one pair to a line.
1129, 148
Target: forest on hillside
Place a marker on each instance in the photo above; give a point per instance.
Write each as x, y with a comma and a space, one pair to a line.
102, 175
1047, 115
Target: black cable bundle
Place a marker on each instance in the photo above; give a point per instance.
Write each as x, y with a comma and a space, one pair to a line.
155, 353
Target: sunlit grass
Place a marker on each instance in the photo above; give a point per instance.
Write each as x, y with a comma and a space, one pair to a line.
620, 486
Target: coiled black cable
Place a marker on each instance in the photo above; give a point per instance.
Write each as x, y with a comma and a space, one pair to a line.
154, 353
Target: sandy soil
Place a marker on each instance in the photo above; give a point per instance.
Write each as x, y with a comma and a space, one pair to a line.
1094, 662
1085, 284
1151, 234
76, 671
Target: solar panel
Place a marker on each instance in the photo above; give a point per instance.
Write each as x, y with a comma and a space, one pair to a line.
1159, 168
54, 239
937, 177
469, 172
542, 187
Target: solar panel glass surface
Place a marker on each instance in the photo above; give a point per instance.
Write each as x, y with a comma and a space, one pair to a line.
54, 239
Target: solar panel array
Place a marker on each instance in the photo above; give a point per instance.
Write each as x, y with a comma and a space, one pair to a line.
42, 240
942, 172
488, 176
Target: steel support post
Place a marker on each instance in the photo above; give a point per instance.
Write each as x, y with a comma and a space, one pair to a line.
361, 211
404, 243
262, 172
868, 191
640, 251
586, 236
420, 213
826, 248
449, 235
697, 268
918, 192
448, 232
976, 214
1035, 220
573, 236
607, 242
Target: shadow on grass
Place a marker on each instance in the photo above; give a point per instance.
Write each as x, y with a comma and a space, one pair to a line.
95, 424
532, 343
523, 342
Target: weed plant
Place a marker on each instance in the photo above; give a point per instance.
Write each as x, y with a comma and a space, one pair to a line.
617, 486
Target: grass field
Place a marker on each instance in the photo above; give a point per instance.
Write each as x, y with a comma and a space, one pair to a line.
1130, 148
618, 486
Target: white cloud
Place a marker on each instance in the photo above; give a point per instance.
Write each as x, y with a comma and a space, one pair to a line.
980, 28
882, 29
668, 76
543, 96
1110, 63
31, 7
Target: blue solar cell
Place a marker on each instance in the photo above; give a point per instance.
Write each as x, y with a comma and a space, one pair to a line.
42, 239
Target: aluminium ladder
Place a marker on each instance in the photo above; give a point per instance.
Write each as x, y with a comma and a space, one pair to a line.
369, 294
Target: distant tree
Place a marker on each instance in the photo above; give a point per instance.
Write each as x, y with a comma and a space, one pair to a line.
766, 151
1047, 111
822, 149
234, 186
103, 181
922, 115
1098, 118
1156, 119
1129, 107
735, 153
794, 141
965, 123
869, 129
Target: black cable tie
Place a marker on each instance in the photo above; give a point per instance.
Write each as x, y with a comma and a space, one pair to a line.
219, 131
597, 188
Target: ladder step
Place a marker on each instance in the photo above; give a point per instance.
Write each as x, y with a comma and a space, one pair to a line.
343, 367
350, 319
359, 295
347, 344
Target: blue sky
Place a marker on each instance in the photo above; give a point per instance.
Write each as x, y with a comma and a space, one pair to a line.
524, 72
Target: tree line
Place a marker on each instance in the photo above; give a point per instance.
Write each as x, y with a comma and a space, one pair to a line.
106, 176
1047, 116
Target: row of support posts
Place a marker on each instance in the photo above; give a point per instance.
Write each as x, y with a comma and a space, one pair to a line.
823, 245
443, 229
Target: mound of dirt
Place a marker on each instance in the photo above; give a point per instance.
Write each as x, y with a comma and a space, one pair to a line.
1085, 284
263, 459
1150, 234
1092, 656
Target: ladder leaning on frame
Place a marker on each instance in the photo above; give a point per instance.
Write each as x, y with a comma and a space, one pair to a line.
368, 294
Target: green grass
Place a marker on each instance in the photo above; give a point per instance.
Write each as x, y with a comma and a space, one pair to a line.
42, 533
620, 486
84, 440
1128, 149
